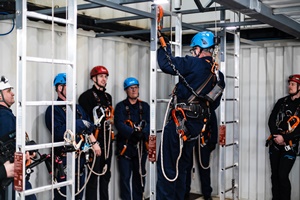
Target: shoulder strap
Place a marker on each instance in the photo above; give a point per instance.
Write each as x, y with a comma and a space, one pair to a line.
200, 88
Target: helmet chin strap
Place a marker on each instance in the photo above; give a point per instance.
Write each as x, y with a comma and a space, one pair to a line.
100, 86
3, 99
62, 91
297, 92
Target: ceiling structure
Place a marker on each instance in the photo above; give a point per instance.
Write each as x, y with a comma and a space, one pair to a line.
265, 19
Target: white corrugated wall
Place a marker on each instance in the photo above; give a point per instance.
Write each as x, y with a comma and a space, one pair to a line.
263, 75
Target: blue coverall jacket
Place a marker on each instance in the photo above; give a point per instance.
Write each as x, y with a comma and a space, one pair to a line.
132, 162
59, 130
195, 71
8, 125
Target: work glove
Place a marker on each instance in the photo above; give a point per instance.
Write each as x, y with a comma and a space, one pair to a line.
135, 137
211, 146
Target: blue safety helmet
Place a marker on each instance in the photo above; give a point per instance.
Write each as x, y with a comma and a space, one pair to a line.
59, 79
130, 81
204, 39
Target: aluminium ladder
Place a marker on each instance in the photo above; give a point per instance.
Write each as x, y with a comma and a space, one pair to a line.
70, 62
154, 70
229, 122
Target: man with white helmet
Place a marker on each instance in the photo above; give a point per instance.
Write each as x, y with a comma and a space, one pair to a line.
8, 126
198, 88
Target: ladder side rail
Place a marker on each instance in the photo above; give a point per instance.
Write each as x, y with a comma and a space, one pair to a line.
236, 128
21, 8
153, 95
71, 91
222, 110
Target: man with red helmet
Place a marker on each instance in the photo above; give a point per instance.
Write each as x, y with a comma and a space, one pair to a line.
283, 141
98, 104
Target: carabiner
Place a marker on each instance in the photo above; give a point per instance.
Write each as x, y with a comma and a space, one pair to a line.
179, 125
292, 128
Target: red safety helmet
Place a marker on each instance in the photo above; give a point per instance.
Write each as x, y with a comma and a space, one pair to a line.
99, 70
294, 77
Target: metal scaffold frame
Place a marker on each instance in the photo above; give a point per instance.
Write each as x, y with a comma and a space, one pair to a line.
70, 62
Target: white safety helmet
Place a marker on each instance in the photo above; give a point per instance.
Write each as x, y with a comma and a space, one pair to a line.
4, 83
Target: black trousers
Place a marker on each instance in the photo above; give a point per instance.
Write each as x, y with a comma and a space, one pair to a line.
281, 162
93, 186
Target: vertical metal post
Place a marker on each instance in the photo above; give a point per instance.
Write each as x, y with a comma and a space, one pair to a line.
153, 96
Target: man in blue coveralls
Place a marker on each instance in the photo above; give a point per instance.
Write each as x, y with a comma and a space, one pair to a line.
132, 120
83, 125
7, 126
197, 88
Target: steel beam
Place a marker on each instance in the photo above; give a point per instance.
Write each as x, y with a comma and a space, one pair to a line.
255, 9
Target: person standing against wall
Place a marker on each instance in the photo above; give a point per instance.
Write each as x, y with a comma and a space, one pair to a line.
98, 104
8, 125
190, 108
132, 120
83, 126
283, 141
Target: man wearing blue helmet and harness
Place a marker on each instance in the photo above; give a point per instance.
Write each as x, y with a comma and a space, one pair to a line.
132, 120
83, 126
200, 85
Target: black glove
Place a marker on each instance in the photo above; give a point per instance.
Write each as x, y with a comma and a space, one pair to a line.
211, 146
135, 137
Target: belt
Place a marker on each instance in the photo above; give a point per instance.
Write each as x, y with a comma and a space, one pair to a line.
190, 107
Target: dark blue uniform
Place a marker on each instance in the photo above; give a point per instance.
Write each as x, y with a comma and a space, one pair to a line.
89, 100
195, 71
7, 125
282, 160
211, 139
132, 162
59, 130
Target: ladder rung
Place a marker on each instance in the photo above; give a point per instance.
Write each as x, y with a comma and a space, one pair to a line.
231, 166
48, 60
47, 187
231, 99
231, 122
234, 77
48, 103
162, 100
175, 43
43, 146
47, 17
231, 144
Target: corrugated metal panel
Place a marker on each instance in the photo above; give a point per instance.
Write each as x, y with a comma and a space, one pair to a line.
264, 71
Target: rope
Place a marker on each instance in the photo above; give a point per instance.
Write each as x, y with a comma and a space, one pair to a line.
161, 149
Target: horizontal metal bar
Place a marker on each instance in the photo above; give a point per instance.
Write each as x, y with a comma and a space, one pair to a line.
47, 187
234, 77
48, 103
48, 18
43, 146
48, 60
231, 166
231, 144
229, 99
231, 122
162, 100
123, 8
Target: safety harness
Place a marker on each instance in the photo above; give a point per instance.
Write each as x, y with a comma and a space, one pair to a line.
133, 125
292, 123
103, 116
